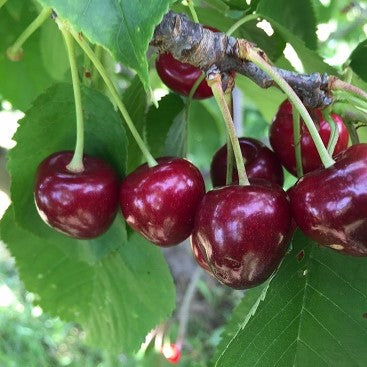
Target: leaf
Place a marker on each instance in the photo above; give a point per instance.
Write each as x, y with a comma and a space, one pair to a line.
297, 16
48, 127
135, 101
123, 27
358, 60
206, 132
249, 302
117, 301
313, 314
53, 52
23, 80
159, 120
176, 140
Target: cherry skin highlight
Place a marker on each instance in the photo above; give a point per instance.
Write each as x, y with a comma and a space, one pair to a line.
282, 140
160, 202
181, 77
198, 254
330, 205
260, 163
80, 205
244, 231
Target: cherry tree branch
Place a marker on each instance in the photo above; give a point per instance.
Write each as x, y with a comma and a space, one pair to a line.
190, 43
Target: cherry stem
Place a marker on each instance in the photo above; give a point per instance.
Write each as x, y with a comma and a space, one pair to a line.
14, 51
2, 3
297, 141
355, 101
240, 22
334, 131
115, 97
98, 52
192, 11
251, 55
230, 156
352, 133
216, 86
76, 163
185, 306
349, 113
341, 85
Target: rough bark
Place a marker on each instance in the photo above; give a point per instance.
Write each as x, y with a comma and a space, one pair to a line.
214, 52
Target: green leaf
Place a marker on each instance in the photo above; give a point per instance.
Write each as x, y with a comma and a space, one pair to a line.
123, 27
117, 301
53, 51
206, 132
313, 314
48, 127
21, 81
176, 140
358, 60
135, 100
297, 16
159, 120
247, 306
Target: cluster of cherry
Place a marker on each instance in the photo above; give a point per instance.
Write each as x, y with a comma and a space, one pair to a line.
239, 233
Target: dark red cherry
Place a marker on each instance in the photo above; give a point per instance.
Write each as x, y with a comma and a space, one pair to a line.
181, 77
281, 138
198, 254
244, 231
160, 202
80, 205
330, 205
260, 162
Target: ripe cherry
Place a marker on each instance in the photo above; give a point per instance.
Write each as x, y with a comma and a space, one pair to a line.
260, 162
198, 255
80, 205
330, 205
281, 138
160, 202
181, 77
244, 231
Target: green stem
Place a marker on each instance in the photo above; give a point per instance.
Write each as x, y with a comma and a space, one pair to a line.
352, 133
98, 52
15, 51
297, 141
230, 155
216, 86
353, 100
76, 164
115, 97
349, 113
341, 85
240, 22
192, 11
229, 173
185, 307
334, 132
2, 3
253, 56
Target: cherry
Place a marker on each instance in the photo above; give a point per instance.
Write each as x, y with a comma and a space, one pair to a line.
260, 162
198, 255
330, 205
243, 232
181, 77
281, 138
172, 353
160, 202
80, 205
